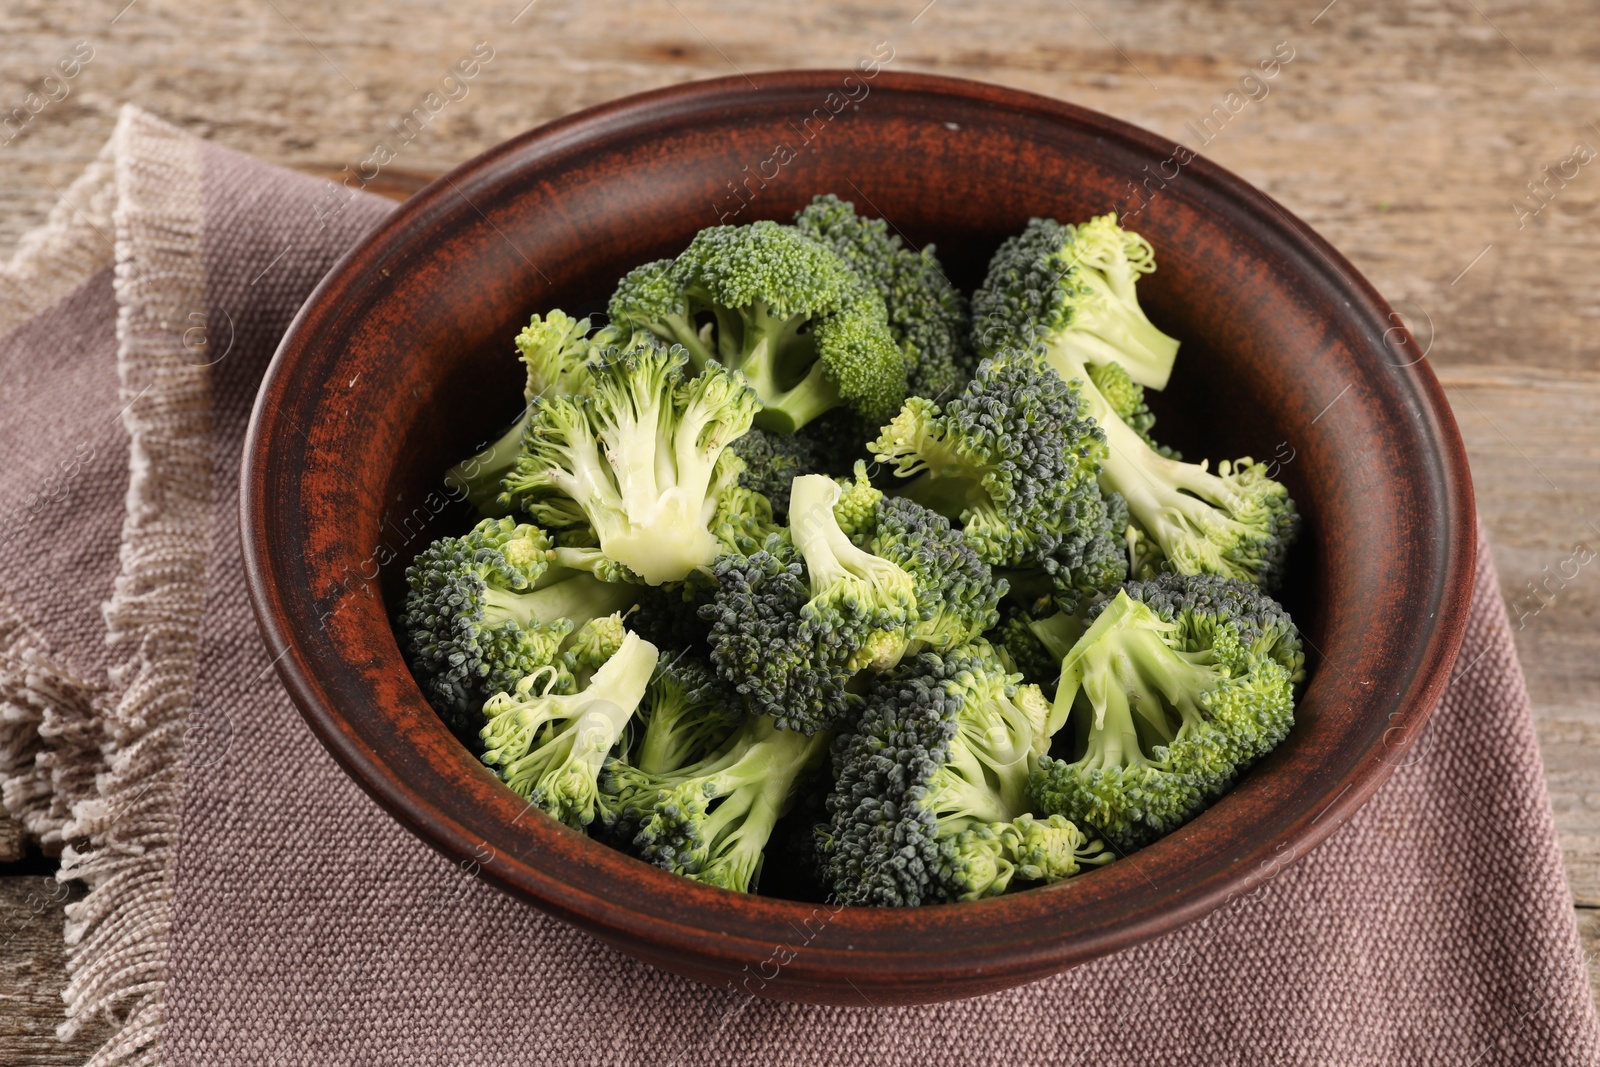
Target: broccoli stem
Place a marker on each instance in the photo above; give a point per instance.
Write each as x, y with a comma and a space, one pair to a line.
677, 728
1058, 633
949, 494
574, 595
562, 773
1142, 691
962, 794
830, 556
680, 329
996, 751
1182, 506
1108, 331
787, 410
478, 477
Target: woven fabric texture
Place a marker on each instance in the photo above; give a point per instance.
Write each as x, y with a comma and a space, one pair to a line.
288, 920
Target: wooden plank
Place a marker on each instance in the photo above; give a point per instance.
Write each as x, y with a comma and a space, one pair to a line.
1589, 933
12, 845
1534, 445
1404, 135
32, 976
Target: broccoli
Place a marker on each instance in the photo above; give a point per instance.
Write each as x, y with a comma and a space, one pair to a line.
1071, 288
488, 608
641, 459
783, 310
1126, 398
787, 635
1178, 685
551, 747
1015, 461
929, 802
686, 716
856, 510
591, 646
927, 315
1236, 522
957, 596
1035, 647
555, 351
772, 461
710, 821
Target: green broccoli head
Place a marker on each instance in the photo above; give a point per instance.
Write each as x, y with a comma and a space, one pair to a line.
856, 510
1071, 289
592, 645
686, 714
787, 634
1014, 460
641, 460
1178, 685
486, 609
927, 315
778, 307
555, 351
710, 821
929, 802
1236, 522
956, 593
550, 747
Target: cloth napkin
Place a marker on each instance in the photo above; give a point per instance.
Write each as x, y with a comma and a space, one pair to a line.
247, 904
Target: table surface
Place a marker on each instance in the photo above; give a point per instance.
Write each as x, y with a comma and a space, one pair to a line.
1443, 147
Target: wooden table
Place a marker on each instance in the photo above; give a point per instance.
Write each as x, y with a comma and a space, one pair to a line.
1407, 134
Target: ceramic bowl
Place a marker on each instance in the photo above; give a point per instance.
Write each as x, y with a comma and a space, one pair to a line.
401, 359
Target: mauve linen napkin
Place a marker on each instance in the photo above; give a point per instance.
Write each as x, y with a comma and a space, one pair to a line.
248, 904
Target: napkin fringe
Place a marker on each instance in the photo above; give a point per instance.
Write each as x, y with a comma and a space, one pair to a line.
123, 840
50, 733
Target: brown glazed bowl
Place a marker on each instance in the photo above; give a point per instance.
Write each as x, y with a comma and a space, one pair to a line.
1287, 354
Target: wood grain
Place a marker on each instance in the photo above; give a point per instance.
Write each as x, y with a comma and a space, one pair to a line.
32, 976
1535, 453
1404, 134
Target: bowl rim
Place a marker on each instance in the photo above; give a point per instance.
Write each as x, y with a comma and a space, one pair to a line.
1013, 953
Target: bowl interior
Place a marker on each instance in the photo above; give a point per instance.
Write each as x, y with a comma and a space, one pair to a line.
1287, 354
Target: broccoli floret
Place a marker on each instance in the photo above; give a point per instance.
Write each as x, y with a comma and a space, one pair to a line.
1178, 686
927, 315
555, 351
488, 608
1126, 398
856, 510
641, 459
772, 461
957, 595
1035, 647
551, 747
743, 520
1237, 522
711, 821
787, 635
1014, 460
782, 309
686, 716
591, 646
929, 802
1071, 288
